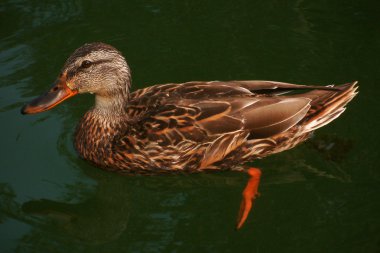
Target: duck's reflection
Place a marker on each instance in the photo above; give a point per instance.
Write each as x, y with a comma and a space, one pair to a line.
153, 206
102, 217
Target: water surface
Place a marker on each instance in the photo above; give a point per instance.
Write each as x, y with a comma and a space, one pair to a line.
322, 196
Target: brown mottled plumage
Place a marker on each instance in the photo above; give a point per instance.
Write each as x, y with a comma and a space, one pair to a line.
191, 126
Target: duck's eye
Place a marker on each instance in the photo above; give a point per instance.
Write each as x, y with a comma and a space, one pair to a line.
86, 64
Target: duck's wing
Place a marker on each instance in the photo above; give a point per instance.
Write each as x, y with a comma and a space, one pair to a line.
218, 116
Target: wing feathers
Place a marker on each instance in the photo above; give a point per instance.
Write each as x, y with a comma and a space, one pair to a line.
222, 146
275, 117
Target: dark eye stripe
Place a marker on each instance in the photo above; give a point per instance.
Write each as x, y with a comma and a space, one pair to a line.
87, 63
101, 61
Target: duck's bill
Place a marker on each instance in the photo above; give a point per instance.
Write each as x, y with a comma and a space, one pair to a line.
56, 95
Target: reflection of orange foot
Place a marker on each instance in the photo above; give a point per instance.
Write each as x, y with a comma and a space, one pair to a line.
249, 194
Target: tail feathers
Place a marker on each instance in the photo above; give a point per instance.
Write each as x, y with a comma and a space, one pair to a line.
328, 105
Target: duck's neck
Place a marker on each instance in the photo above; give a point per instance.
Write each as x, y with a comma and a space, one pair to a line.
111, 105
99, 129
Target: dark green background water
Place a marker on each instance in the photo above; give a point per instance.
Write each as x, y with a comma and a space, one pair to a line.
322, 196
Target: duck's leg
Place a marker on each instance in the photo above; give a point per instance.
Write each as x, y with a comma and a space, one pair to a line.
249, 194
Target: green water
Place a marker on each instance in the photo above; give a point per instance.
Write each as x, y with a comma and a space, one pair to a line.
322, 196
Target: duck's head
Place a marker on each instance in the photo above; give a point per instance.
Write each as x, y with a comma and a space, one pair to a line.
95, 68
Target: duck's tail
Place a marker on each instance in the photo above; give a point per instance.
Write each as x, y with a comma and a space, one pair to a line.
327, 105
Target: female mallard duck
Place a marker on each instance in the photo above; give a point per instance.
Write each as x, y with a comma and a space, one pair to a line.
194, 126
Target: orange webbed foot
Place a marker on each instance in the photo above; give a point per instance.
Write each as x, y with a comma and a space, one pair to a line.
249, 194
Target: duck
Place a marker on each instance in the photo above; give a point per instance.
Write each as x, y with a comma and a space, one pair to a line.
187, 127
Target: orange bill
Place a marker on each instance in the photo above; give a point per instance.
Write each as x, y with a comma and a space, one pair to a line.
57, 94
